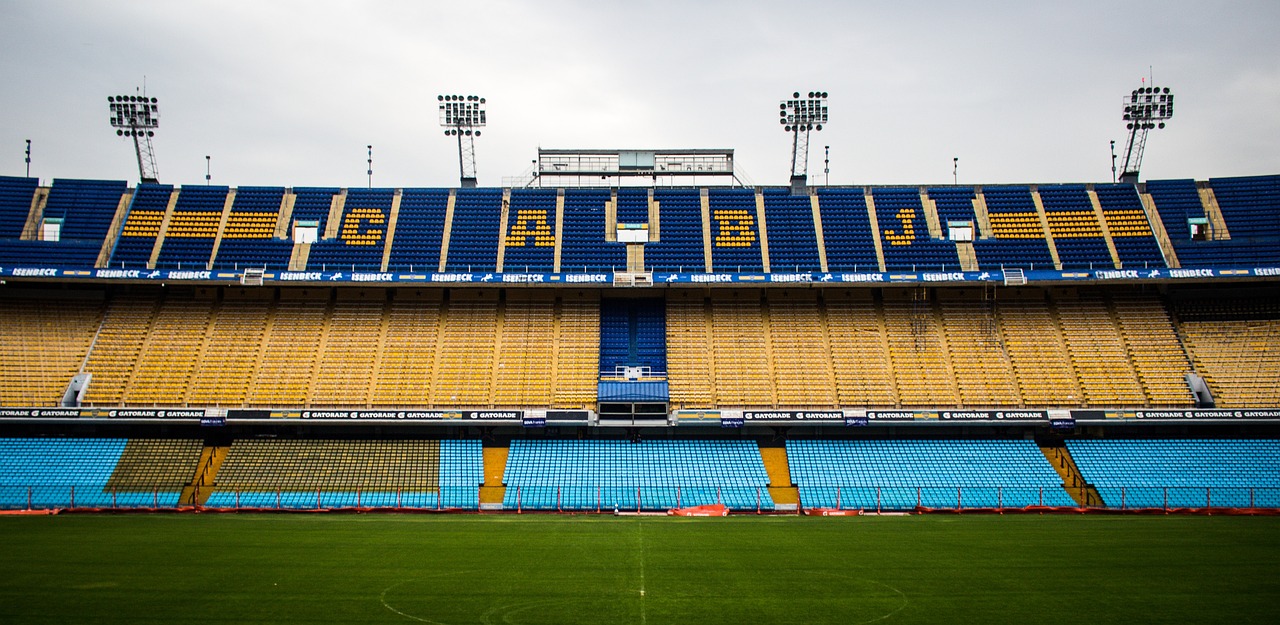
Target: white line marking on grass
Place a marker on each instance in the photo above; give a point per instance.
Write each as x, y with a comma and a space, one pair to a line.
644, 618
383, 598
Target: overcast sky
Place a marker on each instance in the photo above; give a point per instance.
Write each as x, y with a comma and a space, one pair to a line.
290, 92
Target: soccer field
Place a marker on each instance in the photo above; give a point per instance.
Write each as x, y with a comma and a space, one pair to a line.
562, 570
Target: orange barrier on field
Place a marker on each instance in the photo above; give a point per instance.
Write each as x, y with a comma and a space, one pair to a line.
711, 510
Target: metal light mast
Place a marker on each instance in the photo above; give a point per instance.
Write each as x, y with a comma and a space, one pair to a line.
462, 116
138, 117
1144, 109
800, 116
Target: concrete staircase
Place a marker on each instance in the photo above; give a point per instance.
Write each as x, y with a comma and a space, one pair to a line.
197, 492
785, 495
495, 465
1084, 494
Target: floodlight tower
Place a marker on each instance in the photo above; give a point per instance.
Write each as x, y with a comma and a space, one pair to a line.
800, 116
462, 116
1144, 109
138, 117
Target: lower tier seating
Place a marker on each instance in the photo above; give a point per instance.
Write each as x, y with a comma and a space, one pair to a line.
272, 473
646, 475
94, 472
1181, 473
906, 474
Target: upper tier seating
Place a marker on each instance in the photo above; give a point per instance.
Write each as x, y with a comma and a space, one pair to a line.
1017, 235
1074, 225
735, 235
531, 231
15, 204
142, 226
86, 208
1181, 473
249, 237
904, 232
1129, 227
582, 243
1179, 200
419, 230
793, 241
647, 475
193, 227
846, 230
633, 205
905, 474
473, 239
361, 235
679, 245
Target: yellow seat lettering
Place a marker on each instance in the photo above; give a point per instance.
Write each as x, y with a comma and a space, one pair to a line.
907, 217
531, 223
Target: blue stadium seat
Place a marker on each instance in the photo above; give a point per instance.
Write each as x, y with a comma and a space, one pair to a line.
583, 247
793, 241
905, 474
419, 230
679, 232
645, 475
473, 238
1181, 473
249, 237
362, 234
904, 233
735, 235
846, 230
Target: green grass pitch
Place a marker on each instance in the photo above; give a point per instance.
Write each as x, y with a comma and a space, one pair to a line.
564, 570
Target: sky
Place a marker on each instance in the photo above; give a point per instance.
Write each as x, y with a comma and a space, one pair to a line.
290, 93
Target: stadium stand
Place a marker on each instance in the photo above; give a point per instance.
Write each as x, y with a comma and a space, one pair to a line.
583, 244
43, 341
644, 475
419, 230
16, 195
94, 472
735, 234
1017, 236
1233, 345
1181, 473
361, 235
409, 350
632, 334
1074, 226
633, 204
680, 240
320, 473
193, 227
846, 230
249, 240
142, 226
1124, 346
531, 231
907, 474
792, 237
1130, 229
473, 242
905, 233
230, 358
860, 361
